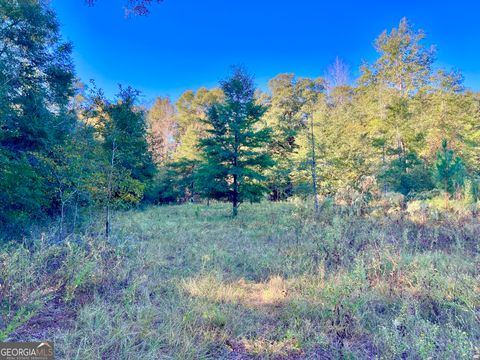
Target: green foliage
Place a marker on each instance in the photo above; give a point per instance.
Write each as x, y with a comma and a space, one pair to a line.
408, 175
36, 77
234, 150
193, 106
62, 150
123, 129
362, 279
123, 165
472, 190
404, 63
450, 171
291, 103
389, 126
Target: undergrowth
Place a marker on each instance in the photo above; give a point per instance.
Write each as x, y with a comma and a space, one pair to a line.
189, 282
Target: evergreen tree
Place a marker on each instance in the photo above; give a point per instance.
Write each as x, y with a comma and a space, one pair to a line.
407, 175
234, 149
450, 170
180, 170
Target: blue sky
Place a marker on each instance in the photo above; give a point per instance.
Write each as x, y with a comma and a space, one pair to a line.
185, 44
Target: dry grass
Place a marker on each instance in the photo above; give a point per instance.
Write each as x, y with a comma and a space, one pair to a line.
188, 282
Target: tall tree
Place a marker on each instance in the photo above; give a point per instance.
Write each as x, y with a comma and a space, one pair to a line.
284, 118
337, 75
36, 84
235, 148
402, 71
125, 167
337, 81
161, 130
404, 64
127, 128
181, 171
312, 106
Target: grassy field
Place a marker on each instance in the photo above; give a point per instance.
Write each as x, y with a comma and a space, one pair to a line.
189, 282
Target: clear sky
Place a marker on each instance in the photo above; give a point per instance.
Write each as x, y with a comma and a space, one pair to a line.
185, 44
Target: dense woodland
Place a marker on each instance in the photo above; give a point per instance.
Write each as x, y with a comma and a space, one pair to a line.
404, 126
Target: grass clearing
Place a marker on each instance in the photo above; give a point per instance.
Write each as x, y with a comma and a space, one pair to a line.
190, 282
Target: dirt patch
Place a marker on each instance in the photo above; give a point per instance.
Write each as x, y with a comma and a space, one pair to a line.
53, 317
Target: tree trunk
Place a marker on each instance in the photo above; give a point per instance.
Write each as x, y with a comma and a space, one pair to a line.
109, 192
75, 215
235, 196
107, 222
385, 187
446, 194
235, 177
276, 195
62, 219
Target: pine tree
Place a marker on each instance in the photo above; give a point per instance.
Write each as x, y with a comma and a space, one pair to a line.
450, 170
234, 149
407, 175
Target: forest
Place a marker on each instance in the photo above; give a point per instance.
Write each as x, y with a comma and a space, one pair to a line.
318, 218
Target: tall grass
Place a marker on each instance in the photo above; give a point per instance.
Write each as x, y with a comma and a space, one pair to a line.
189, 282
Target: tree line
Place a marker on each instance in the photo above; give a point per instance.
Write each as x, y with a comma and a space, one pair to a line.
408, 124
67, 150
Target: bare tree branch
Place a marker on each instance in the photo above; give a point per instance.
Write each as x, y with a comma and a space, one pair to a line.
136, 7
